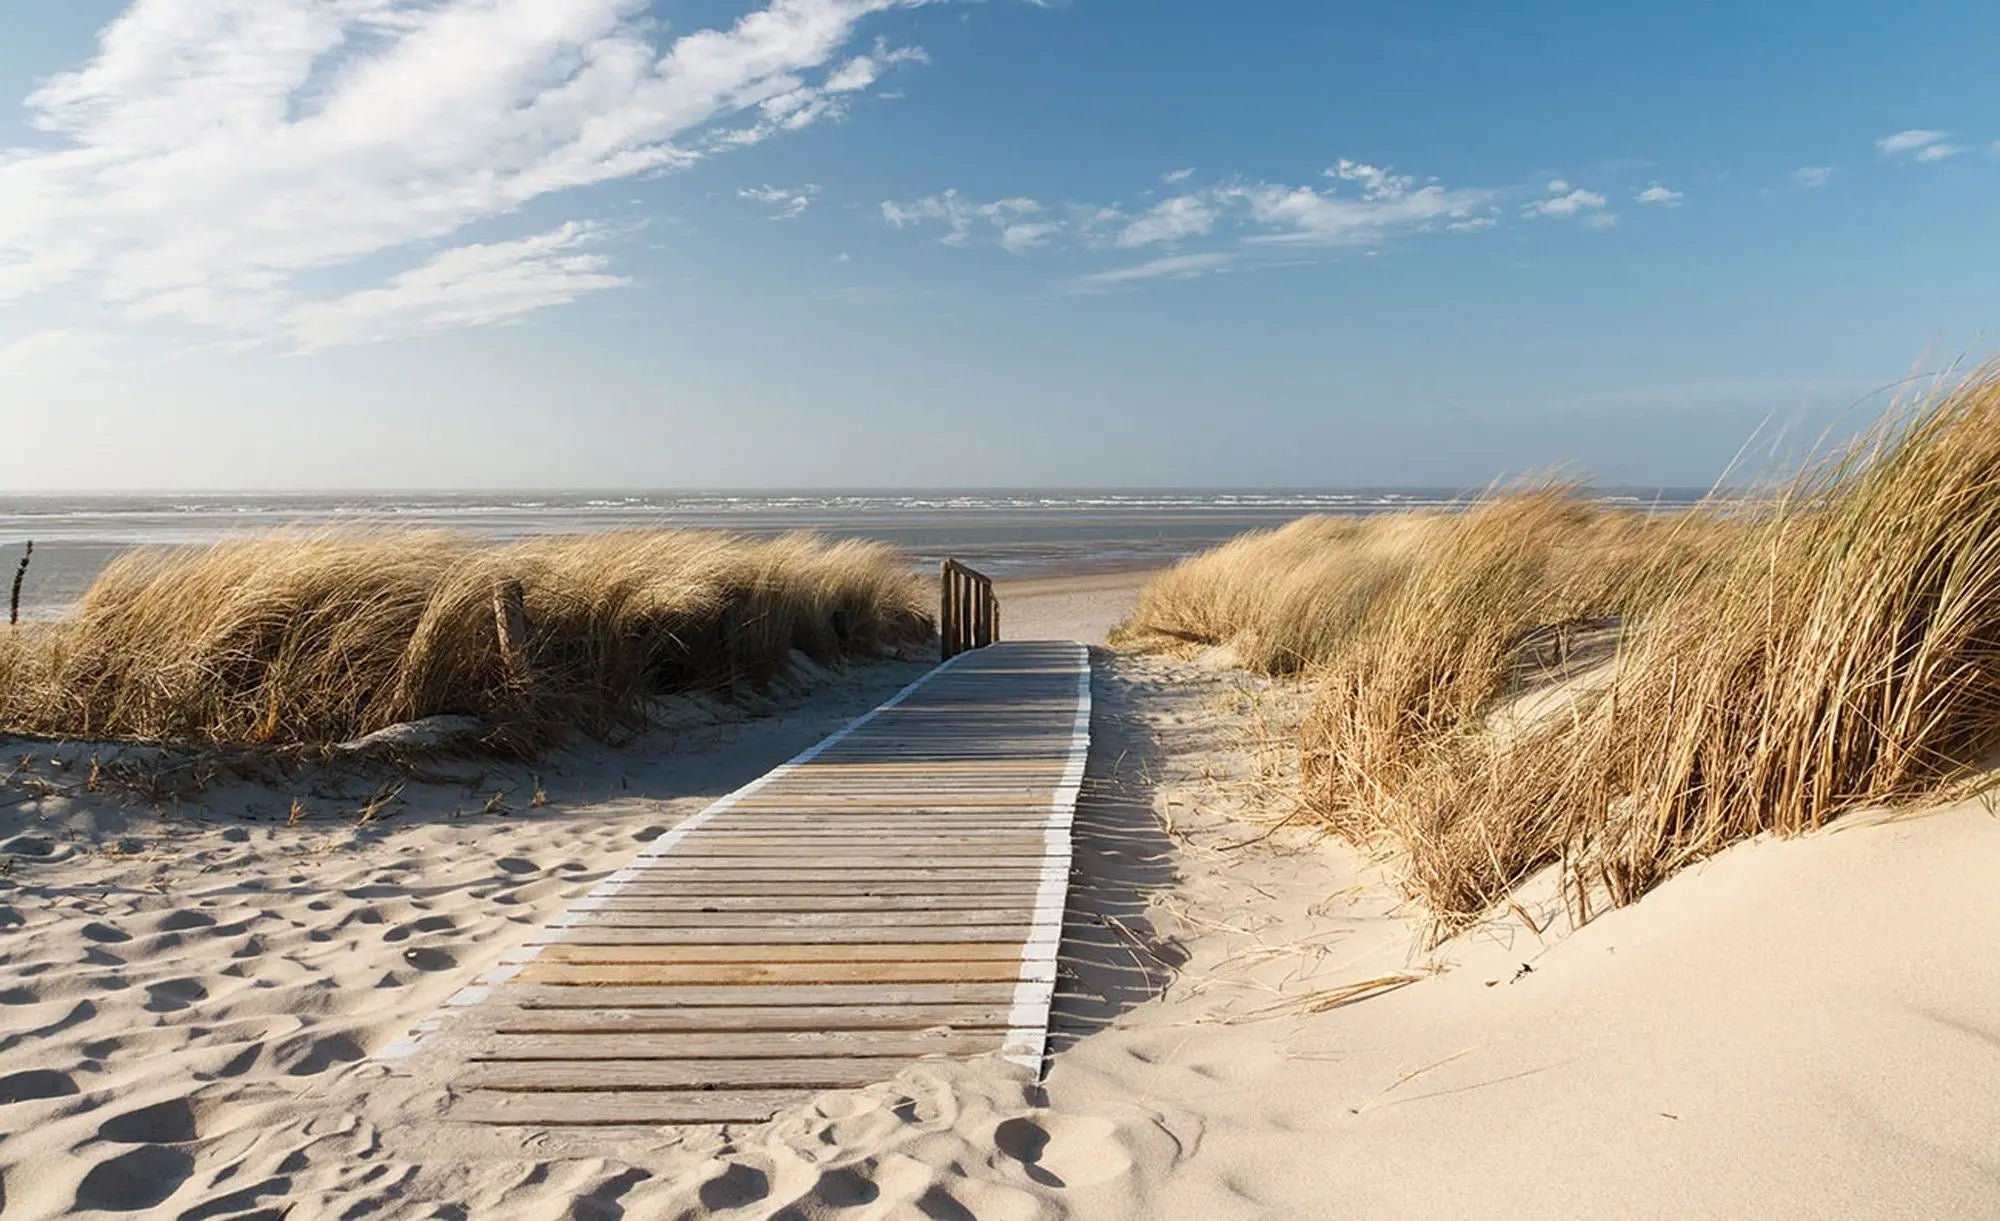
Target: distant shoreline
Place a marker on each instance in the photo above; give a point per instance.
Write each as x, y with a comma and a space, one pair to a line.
1010, 535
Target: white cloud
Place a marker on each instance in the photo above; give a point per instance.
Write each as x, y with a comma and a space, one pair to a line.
1006, 218
1169, 221
212, 154
1659, 196
1026, 235
1177, 176
1389, 203
1919, 144
1813, 177
473, 285
1386, 204
786, 203
1565, 201
864, 70
1909, 141
1599, 220
1177, 266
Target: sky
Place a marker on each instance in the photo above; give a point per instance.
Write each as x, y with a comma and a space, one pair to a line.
332, 244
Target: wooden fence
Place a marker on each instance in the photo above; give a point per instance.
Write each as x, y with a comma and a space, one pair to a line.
968, 611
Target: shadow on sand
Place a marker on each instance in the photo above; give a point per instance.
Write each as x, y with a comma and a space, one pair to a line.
1112, 959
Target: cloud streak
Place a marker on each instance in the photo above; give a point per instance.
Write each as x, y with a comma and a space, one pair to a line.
212, 155
1177, 266
786, 203
1363, 205
1918, 144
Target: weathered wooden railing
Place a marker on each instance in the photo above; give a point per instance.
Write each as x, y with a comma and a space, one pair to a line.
968, 611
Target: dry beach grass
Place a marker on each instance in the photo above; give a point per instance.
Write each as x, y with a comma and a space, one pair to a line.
1772, 668
321, 637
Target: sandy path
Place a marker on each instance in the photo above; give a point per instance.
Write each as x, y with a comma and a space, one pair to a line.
1067, 608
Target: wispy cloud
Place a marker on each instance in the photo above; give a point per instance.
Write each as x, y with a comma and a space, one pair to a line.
1015, 223
1170, 221
211, 155
786, 203
1172, 177
1565, 200
1177, 266
1918, 144
476, 285
1386, 203
1364, 205
1659, 196
1813, 177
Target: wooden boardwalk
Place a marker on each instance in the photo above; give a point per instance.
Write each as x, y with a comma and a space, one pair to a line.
895, 892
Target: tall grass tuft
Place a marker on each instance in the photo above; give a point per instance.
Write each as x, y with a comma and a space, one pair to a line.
312, 638
1773, 666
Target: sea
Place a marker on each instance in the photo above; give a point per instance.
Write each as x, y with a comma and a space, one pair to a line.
1008, 534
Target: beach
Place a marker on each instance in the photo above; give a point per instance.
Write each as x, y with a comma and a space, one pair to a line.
1248, 1022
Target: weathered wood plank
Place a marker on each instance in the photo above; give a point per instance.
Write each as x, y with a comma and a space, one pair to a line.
737, 1045
802, 996
800, 921
736, 1019
811, 935
642, 974
669, 899
805, 953
861, 885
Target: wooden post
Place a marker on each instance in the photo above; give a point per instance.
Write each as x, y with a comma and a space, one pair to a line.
965, 611
510, 623
944, 611
968, 610
14, 602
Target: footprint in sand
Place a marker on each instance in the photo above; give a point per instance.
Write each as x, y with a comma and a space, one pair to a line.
134, 1180
173, 995
322, 1054
163, 1123
739, 1186
35, 1083
1064, 1150
104, 934
430, 960
183, 920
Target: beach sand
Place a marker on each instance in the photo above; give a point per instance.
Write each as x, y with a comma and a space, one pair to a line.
1249, 1023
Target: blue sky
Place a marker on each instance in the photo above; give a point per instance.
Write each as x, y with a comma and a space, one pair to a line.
485, 243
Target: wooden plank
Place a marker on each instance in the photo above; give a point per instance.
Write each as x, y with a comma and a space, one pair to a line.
841, 899
805, 996
867, 869
732, 1019
801, 921
861, 885
808, 953
738, 1045
828, 935
644, 974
